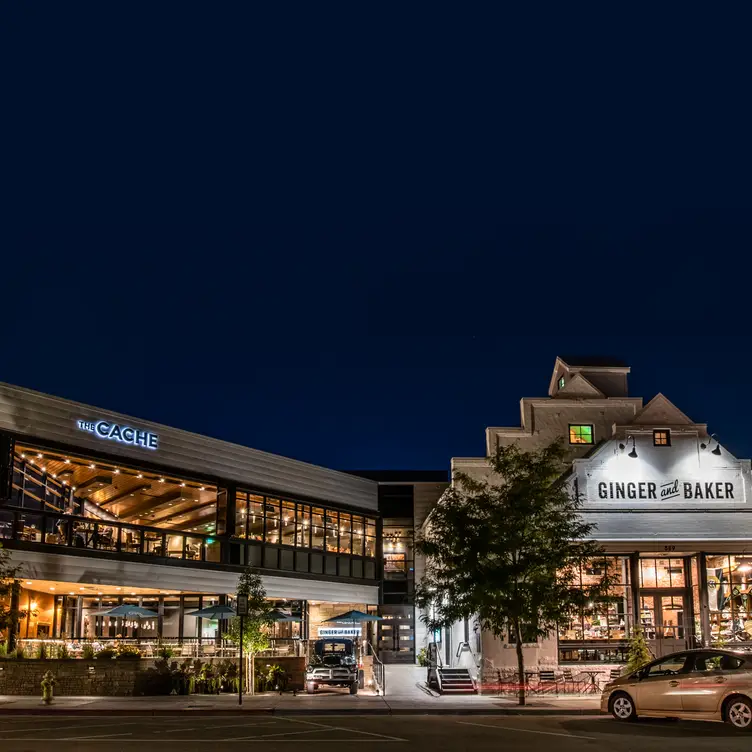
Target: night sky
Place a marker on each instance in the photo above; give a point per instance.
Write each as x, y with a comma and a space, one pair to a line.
356, 234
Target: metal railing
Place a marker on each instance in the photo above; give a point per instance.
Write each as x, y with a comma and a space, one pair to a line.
379, 672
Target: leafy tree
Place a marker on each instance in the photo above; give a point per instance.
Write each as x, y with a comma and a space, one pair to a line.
509, 551
255, 625
10, 588
639, 652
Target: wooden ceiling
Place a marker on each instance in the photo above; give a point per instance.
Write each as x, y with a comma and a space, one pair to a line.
131, 495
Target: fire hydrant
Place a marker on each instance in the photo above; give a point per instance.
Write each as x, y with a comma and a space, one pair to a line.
48, 682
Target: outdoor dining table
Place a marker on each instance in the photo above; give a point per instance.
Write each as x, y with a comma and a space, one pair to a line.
593, 687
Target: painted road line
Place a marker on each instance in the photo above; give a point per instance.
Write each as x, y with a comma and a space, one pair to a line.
79, 726
98, 736
282, 733
236, 725
344, 728
524, 731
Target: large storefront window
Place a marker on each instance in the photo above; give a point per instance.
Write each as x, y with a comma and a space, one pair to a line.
730, 597
290, 523
599, 625
45, 480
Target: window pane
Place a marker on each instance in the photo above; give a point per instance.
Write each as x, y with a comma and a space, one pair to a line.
317, 532
358, 525
345, 533
647, 573
582, 434
255, 517
303, 535
288, 523
332, 531
241, 514
272, 520
370, 546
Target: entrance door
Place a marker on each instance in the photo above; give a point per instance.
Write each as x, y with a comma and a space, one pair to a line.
664, 618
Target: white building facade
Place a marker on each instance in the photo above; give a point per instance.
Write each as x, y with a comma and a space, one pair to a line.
672, 510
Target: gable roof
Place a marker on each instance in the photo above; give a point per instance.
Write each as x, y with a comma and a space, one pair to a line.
579, 386
661, 411
590, 361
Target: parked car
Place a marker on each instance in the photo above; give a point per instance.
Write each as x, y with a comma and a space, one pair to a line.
703, 684
332, 663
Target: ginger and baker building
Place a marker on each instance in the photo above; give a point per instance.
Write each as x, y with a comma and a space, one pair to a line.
672, 510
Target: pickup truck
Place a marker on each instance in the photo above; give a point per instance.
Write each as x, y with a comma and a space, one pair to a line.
333, 664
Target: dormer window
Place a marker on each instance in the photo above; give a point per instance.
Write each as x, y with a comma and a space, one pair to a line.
662, 437
562, 381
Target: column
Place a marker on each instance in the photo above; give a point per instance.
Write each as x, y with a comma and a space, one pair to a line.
702, 567
634, 579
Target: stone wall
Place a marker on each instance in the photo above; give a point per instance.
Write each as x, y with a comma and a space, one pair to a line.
72, 677
111, 678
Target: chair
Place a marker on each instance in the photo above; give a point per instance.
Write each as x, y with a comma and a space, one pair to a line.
547, 681
575, 682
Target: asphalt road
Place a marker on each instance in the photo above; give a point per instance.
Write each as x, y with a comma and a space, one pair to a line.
435, 733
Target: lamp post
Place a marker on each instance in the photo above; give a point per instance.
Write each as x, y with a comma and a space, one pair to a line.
241, 608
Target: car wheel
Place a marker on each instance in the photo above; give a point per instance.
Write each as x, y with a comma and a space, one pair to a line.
739, 713
622, 707
354, 688
310, 688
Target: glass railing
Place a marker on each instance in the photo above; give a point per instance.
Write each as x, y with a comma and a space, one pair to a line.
94, 534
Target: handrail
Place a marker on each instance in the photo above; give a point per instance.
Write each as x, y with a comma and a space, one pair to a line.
379, 672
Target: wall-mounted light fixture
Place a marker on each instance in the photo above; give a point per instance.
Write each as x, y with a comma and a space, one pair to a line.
633, 453
717, 450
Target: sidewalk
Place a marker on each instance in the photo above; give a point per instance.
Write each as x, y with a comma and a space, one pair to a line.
302, 704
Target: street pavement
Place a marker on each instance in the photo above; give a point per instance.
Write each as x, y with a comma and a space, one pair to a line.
437, 733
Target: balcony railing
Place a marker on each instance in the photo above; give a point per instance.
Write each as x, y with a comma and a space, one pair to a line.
117, 538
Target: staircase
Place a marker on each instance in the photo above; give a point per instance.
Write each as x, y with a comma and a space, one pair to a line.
456, 681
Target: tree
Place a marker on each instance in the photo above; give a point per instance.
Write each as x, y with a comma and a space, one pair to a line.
509, 552
639, 652
10, 589
255, 636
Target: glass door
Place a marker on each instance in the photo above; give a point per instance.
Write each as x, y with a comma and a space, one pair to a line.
664, 618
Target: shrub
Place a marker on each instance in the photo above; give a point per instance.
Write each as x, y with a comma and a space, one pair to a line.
62, 652
423, 657
20, 653
88, 652
42, 651
128, 652
3, 650
105, 654
164, 651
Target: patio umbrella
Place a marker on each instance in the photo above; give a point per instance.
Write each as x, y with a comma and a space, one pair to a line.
281, 616
214, 612
128, 611
353, 617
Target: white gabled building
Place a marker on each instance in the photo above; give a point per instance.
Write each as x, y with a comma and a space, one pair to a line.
673, 513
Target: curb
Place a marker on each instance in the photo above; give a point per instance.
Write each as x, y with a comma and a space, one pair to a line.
123, 712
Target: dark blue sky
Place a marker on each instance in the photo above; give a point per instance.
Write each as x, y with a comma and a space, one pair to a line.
357, 235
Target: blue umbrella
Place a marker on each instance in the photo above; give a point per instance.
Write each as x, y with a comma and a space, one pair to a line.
214, 612
281, 616
127, 611
353, 617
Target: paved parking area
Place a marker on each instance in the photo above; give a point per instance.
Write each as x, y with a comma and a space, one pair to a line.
435, 733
